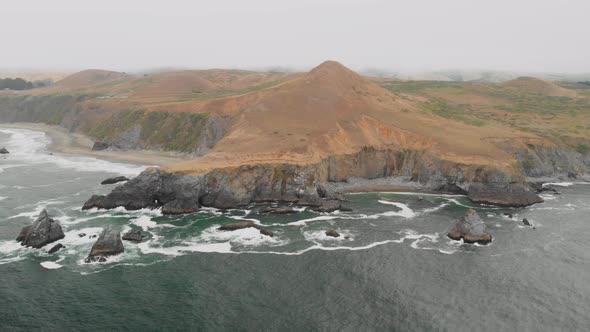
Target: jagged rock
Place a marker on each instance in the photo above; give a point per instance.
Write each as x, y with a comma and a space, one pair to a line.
114, 180
264, 231
538, 188
43, 231
237, 225
278, 210
180, 206
332, 233
82, 235
98, 146
108, 244
508, 214
23, 233
331, 206
4, 151
455, 234
133, 235
526, 222
471, 229
512, 195
56, 248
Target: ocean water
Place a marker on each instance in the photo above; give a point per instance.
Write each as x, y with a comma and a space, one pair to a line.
396, 270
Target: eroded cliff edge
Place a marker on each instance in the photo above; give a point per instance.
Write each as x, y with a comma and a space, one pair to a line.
311, 184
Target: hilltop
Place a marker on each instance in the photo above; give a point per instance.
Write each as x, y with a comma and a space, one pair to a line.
291, 137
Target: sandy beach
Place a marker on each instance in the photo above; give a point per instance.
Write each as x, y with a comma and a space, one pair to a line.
77, 144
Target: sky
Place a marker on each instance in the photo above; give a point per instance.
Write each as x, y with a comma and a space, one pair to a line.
510, 35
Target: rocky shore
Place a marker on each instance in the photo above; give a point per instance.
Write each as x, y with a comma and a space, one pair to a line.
319, 186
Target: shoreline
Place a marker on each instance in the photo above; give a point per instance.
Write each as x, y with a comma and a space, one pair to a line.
76, 144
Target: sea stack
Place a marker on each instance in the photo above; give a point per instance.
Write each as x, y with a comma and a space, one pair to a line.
109, 243
471, 229
43, 231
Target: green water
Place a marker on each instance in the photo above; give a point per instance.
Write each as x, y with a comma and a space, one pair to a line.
396, 271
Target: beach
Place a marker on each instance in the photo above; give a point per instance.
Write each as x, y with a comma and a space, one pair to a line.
77, 144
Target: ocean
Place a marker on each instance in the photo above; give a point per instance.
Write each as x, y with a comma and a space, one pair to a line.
392, 268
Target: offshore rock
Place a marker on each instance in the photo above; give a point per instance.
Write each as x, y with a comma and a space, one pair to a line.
108, 244
332, 233
526, 222
133, 235
4, 151
114, 180
510, 195
237, 225
471, 229
43, 231
264, 231
56, 248
331, 206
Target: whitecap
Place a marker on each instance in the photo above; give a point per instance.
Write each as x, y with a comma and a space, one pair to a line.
145, 222
320, 235
305, 221
31, 147
3, 198
51, 265
405, 211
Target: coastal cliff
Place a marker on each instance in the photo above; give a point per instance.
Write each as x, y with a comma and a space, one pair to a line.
303, 140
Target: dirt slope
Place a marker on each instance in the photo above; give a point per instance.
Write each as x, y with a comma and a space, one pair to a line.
332, 111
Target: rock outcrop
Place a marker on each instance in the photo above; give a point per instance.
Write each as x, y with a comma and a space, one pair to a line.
133, 235
310, 185
56, 248
4, 151
332, 233
114, 180
471, 229
246, 224
108, 244
99, 146
43, 231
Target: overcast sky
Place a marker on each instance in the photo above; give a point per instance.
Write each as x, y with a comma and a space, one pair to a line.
518, 35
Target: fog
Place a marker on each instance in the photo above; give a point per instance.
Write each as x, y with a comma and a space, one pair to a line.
518, 35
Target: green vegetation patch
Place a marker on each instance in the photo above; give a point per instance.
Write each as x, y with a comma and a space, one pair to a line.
158, 130
583, 148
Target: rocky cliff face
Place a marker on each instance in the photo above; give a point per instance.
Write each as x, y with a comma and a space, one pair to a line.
551, 161
309, 184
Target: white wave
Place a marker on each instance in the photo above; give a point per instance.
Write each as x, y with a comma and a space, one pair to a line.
320, 235
10, 246
407, 193
434, 209
51, 265
405, 212
256, 221
563, 184
3, 198
145, 222
11, 260
246, 237
210, 210
305, 221
459, 203
222, 247
31, 147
